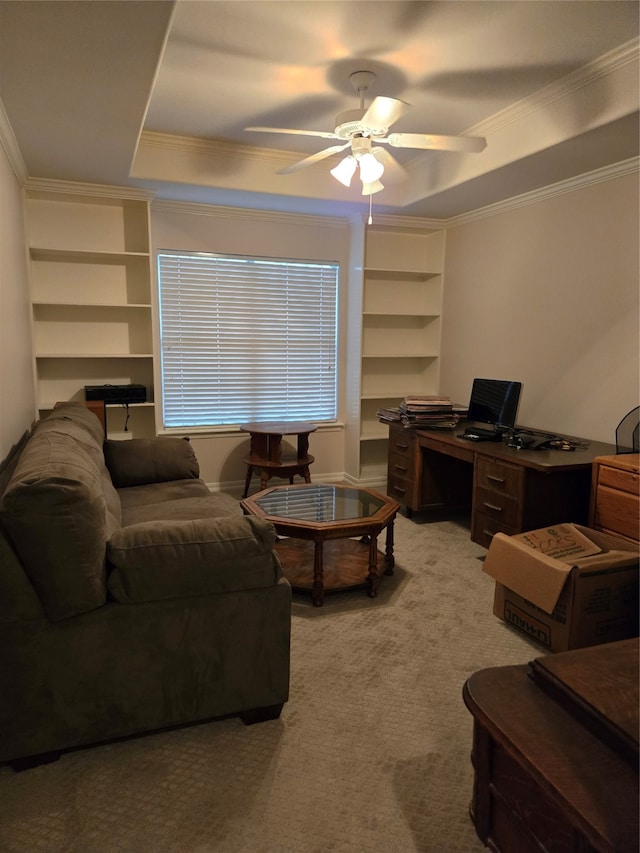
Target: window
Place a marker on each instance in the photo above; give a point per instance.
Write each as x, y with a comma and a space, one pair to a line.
246, 339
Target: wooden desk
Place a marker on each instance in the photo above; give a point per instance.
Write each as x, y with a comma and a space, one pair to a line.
555, 749
266, 454
507, 489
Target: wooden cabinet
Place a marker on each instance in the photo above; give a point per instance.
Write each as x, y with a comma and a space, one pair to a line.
395, 318
555, 754
615, 495
91, 298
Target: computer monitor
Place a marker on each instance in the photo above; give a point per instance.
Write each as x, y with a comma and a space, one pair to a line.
495, 402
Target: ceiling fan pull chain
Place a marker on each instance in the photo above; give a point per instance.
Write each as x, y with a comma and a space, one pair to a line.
370, 218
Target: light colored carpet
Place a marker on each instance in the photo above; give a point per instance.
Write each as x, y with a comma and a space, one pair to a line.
371, 754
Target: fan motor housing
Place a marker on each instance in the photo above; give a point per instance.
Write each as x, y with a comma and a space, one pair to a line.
349, 123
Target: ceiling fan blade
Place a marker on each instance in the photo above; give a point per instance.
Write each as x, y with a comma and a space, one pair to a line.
321, 133
314, 158
383, 112
470, 144
393, 171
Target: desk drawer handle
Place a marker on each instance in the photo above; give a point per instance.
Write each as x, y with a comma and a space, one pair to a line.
402, 446
493, 506
489, 534
400, 467
495, 479
398, 489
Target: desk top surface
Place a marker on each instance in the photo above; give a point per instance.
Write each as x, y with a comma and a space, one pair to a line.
582, 457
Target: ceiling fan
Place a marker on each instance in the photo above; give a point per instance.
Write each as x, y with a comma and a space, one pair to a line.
358, 129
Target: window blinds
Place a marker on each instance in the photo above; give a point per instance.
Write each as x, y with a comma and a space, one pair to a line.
246, 339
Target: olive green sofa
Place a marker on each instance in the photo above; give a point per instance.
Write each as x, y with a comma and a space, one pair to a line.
132, 598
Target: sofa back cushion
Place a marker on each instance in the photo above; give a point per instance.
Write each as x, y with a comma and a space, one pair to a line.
150, 460
59, 511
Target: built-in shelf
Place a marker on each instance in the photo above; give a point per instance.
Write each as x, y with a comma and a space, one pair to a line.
400, 328
91, 296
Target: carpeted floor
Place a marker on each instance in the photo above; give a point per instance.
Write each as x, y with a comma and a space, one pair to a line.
371, 754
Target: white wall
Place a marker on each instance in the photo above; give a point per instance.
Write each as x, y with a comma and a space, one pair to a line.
548, 294
201, 228
17, 394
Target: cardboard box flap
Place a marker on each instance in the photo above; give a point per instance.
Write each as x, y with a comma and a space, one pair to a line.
564, 542
615, 559
527, 571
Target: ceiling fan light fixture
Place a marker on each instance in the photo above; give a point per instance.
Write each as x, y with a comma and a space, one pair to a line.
370, 168
369, 188
345, 170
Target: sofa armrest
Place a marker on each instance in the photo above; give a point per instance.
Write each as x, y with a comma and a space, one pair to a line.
150, 460
172, 559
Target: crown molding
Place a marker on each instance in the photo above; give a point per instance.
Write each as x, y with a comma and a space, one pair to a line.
588, 179
10, 146
215, 148
245, 213
602, 66
51, 185
400, 222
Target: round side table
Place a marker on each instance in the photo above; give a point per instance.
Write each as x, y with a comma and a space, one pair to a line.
266, 453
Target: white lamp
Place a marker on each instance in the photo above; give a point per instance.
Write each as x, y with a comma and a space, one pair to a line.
371, 187
370, 168
345, 169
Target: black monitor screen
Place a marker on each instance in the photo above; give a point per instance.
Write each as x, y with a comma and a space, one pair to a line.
494, 401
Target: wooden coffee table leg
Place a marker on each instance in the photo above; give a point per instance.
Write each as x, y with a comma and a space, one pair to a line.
317, 592
372, 577
389, 559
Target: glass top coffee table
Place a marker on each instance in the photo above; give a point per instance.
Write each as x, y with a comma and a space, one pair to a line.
321, 523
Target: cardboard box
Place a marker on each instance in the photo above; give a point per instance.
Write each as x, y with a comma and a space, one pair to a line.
566, 586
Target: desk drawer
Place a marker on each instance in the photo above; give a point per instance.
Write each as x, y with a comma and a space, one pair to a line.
402, 443
401, 465
499, 477
402, 490
616, 478
618, 512
497, 505
484, 528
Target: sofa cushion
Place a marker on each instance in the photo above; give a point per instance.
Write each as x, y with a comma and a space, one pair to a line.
153, 493
159, 560
150, 460
55, 512
183, 509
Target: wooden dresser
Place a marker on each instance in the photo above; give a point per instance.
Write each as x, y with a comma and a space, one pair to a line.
555, 752
615, 495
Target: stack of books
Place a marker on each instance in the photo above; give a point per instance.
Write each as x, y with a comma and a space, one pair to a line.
424, 411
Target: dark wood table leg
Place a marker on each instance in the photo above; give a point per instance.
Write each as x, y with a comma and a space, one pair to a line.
372, 577
389, 559
317, 593
275, 447
247, 481
303, 444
